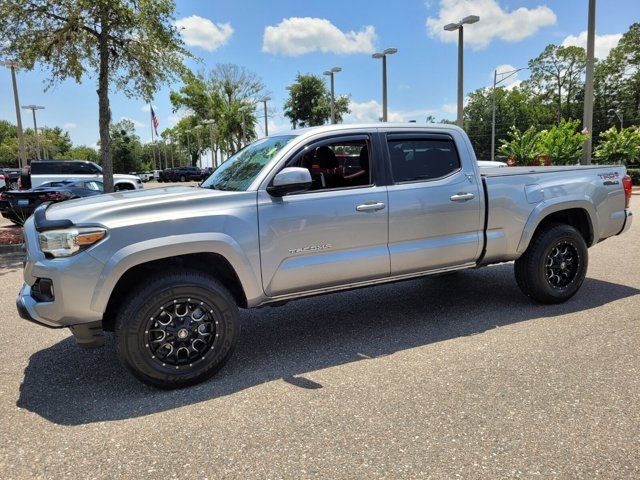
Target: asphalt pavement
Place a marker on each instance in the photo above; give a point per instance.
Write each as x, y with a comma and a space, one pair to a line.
455, 376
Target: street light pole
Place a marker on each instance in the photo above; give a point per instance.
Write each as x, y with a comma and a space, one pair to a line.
459, 118
383, 56
587, 120
450, 27
33, 109
211, 122
188, 147
493, 114
198, 128
266, 123
22, 154
330, 74
619, 115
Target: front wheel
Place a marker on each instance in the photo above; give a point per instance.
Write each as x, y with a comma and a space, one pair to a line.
177, 331
554, 265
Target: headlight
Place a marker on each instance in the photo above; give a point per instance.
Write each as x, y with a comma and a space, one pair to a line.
65, 243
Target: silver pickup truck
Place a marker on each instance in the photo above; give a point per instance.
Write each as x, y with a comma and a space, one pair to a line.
304, 213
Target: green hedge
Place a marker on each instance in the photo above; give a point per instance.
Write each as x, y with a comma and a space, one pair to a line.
634, 173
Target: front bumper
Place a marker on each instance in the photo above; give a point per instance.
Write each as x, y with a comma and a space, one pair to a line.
88, 334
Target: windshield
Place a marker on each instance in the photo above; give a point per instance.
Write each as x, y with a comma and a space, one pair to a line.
241, 169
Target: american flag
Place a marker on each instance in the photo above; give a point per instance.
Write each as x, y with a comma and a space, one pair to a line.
154, 120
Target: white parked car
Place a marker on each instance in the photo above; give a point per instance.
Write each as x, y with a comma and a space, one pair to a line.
490, 164
52, 170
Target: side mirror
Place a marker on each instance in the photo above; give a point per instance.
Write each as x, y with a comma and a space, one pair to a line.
290, 180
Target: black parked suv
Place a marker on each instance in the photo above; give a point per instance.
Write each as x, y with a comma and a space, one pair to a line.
185, 174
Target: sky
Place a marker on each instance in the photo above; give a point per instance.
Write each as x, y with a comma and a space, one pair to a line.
276, 39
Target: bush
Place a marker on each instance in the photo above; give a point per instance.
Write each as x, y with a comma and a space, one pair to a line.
634, 173
619, 146
521, 147
562, 143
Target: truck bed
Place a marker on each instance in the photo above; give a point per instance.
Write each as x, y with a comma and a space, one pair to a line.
517, 197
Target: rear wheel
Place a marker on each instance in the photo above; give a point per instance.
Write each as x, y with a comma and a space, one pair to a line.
183, 178
177, 331
554, 265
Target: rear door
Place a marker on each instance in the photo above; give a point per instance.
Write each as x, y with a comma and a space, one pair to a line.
434, 204
336, 233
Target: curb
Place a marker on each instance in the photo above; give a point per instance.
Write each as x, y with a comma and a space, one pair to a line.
7, 249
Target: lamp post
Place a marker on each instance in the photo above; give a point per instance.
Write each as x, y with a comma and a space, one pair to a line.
330, 74
451, 27
587, 119
383, 56
506, 75
33, 109
620, 116
197, 134
211, 123
266, 124
22, 154
187, 132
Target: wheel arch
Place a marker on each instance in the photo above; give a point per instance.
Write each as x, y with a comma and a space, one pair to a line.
211, 254
209, 263
580, 214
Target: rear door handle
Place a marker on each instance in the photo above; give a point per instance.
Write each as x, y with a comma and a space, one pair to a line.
462, 197
370, 207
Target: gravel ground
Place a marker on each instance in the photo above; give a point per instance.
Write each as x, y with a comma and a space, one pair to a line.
438, 377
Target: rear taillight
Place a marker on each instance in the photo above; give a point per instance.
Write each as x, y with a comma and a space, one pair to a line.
19, 183
1, 177
628, 188
4, 196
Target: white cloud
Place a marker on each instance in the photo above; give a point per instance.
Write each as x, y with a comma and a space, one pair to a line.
296, 36
202, 32
495, 22
69, 126
449, 108
174, 118
135, 122
603, 43
371, 112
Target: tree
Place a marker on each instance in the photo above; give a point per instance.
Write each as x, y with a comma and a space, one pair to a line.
126, 147
228, 96
619, 146
521, 147
562, 143
557, 73
309, 102
517, 107
80, 152
129, 44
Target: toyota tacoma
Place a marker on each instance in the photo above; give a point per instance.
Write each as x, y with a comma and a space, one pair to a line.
304, 213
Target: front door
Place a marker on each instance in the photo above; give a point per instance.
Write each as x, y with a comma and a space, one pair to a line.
336, 233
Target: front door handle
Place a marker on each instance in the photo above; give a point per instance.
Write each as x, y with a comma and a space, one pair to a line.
462, 197
370, 207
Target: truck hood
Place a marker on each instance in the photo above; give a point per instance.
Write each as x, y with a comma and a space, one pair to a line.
140, 206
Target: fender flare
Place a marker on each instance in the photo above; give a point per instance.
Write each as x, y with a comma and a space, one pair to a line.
158, 249
547, 207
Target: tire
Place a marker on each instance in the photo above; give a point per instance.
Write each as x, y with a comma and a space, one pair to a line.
142, 347
183, 178
554, 265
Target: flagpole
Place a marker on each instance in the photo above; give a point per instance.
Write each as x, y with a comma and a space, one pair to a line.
153, 152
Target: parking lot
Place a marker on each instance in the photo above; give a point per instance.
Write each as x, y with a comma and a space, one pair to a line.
438, 377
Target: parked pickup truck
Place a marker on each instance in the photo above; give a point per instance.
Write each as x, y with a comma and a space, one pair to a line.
43, 171
167, 269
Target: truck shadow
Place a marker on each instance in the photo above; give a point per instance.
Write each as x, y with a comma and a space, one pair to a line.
70, 386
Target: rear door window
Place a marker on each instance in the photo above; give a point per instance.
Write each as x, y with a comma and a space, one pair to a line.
421, 159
